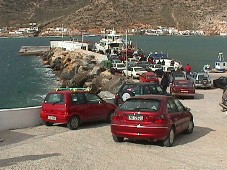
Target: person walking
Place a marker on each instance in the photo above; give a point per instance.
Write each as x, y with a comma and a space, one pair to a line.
188, 70
165, 82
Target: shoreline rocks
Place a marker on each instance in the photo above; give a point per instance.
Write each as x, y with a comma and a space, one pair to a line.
81, 69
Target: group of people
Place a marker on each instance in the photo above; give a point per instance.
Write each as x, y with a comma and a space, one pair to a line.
165, 81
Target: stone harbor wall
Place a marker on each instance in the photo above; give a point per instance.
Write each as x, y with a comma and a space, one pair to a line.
82, 69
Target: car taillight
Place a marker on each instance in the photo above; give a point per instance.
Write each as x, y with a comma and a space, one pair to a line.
116, 117
160, 119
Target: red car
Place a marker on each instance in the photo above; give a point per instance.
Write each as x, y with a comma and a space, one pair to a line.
73, 107
149, 77
182, 88
151, 117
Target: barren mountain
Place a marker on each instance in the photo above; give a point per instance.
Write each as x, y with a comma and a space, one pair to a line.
209, 15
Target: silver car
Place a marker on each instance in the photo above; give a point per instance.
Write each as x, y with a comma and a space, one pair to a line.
201, 80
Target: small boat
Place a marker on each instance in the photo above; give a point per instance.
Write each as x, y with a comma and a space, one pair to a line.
220, 63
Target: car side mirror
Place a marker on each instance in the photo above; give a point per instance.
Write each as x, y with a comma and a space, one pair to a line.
187, 109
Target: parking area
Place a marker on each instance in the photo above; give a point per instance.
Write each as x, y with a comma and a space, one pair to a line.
92, 147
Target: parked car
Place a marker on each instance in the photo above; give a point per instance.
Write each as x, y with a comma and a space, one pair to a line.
154, 67
112, 57
129, 89
151, 117
74, 107
118, 67
149, 77
221, 82
201, 80
134, 72
177, 75
182, 88
144, 64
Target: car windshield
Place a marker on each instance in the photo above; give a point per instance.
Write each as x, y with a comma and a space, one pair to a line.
55, 98
201, 77
141, 105
184, 84
120, 65
139, 69
152, 89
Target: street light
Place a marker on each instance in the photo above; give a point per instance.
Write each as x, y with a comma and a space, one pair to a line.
126, 54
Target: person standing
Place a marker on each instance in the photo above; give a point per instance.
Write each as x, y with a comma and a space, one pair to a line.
188, 70
165, 82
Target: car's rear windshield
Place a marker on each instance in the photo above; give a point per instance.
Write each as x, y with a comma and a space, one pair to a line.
145, 105
201, 77
184, 84
55, 98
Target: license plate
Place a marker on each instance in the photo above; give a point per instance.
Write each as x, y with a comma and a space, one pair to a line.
184, 91
51, 118
135, 117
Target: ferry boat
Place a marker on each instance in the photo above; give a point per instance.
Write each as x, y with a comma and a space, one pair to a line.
111, 42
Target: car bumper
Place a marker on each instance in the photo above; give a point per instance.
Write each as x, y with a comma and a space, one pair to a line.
140, 132
184, 94
203, 86
55, 118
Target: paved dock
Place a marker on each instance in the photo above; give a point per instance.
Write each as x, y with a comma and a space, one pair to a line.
33, 50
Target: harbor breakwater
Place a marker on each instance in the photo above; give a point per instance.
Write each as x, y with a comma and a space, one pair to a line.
81, 68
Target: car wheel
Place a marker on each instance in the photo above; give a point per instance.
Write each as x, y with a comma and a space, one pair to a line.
109, 118
73, 123
170, 139
48, 124
118, 139
190, 128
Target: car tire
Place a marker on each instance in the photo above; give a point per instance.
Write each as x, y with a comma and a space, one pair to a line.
109, 118
118, 139
126, 95
168, 142
48, 124
190, 128
73, 123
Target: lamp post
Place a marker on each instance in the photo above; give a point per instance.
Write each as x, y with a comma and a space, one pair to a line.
62, 28
126, 53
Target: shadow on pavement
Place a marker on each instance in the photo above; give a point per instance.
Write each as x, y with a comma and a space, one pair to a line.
195, 135
181, 139
15, 160
10, 137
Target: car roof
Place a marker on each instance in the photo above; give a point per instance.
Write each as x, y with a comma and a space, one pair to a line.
156, 97
150, 73
69, 92
187, 81
140, 83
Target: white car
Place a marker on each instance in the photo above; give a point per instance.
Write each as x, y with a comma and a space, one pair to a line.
134, 72
119, 67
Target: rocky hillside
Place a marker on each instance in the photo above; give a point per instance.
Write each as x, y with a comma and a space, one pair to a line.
209, 15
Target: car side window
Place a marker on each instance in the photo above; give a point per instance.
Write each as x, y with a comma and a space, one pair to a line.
172, 108
179, 105
78, 98
92, 98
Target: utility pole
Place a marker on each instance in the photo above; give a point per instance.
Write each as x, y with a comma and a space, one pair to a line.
126, 54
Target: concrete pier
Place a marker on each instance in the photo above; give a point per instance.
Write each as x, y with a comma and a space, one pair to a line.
33, 50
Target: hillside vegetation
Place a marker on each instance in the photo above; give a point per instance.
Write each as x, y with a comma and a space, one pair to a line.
209, 15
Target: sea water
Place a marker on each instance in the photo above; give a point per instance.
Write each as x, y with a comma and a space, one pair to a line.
25, 80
